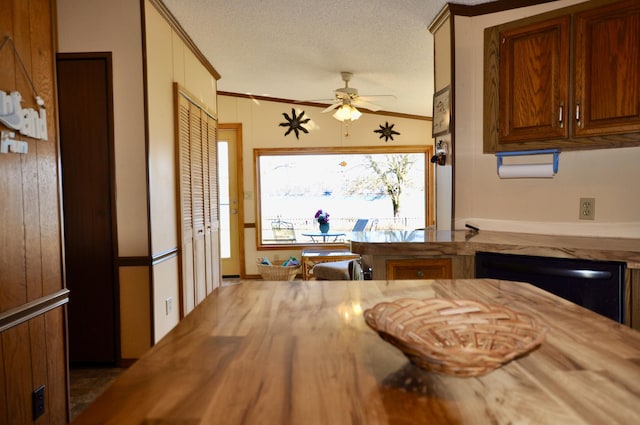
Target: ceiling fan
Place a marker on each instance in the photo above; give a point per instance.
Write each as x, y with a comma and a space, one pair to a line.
347, 98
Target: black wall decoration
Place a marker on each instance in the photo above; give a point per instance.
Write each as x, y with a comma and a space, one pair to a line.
295, 123
386, 132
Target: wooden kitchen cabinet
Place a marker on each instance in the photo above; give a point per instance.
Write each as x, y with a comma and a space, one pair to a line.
607, 70
424, 268
534, 81
541, 92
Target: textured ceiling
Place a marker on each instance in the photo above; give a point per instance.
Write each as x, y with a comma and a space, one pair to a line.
296, 50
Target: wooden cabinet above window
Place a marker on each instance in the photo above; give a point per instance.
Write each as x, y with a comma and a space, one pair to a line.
567, 79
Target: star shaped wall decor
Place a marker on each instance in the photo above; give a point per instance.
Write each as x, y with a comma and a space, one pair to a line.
387, 131
295, 123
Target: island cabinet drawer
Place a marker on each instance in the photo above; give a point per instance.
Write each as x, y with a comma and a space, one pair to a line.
423, 268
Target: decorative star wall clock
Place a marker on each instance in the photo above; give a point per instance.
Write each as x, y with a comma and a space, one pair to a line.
295, 123
386, 132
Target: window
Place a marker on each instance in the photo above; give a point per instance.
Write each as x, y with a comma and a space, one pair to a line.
391, 187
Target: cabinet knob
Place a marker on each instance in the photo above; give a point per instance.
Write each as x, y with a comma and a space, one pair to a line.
420, 273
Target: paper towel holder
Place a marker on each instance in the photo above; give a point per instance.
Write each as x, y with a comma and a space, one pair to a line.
555, 152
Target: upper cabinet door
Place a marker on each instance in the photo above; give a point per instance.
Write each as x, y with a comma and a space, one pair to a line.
566, 79
607, 70
533, 81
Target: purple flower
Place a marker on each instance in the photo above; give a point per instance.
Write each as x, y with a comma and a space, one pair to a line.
322, 216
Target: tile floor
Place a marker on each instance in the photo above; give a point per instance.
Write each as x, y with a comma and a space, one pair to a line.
86, 384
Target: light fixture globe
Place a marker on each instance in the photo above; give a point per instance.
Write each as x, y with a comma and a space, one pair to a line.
347, 112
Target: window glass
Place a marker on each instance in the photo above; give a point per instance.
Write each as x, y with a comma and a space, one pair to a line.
389, 189
223, 197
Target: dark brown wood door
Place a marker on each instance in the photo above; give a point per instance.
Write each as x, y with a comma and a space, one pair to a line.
534, 74
607, 70
86, 139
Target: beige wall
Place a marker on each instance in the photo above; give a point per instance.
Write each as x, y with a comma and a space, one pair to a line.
442, 78
168, 61
547, 206
165, 287
260, 129
135, 311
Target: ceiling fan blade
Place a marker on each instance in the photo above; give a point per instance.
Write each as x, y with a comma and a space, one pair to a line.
332, 107
368, 97
333, 99
367, 105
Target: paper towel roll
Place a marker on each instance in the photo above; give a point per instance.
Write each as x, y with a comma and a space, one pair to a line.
516, 171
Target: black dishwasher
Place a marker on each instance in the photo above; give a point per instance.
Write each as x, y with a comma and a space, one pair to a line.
596, 285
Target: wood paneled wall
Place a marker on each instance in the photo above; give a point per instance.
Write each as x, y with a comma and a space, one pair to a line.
32, 345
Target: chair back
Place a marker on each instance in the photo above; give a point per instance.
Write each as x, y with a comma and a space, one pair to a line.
360, 225
283, 231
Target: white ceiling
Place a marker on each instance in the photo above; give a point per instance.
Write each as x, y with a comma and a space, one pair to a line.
297, 49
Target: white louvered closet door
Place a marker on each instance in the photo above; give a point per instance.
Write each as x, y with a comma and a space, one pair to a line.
211, 217
197, 159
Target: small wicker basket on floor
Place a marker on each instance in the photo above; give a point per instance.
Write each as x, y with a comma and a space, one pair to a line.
455, 337
271, 272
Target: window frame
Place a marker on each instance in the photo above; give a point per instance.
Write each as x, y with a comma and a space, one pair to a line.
427, 150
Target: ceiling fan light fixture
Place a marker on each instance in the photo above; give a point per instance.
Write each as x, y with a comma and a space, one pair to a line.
347, 113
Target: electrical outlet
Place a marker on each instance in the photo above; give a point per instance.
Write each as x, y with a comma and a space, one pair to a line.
587, 208
168, 304
37, 398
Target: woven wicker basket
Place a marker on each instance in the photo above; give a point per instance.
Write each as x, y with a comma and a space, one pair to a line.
455, 337
270, 272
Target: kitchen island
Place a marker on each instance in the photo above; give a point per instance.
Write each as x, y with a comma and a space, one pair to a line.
299, 352
419, 254
461, 242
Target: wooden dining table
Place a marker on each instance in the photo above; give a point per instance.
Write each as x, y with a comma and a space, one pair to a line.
261, 352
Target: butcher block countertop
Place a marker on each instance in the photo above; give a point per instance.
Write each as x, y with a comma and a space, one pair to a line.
300, 353
460, 242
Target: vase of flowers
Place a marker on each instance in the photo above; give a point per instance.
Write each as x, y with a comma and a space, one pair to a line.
323, 220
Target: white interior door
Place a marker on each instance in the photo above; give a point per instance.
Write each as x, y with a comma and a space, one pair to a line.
229, 168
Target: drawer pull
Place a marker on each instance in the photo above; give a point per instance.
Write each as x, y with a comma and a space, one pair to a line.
420, 273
